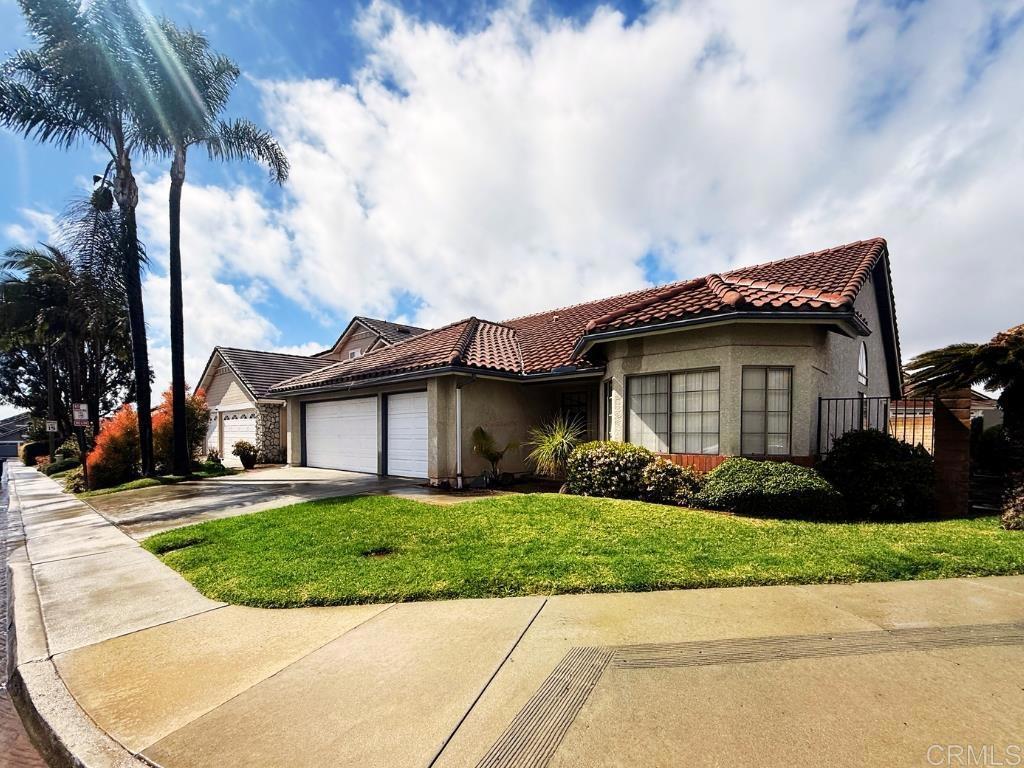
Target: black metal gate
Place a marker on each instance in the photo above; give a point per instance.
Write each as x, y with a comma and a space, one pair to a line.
909, 420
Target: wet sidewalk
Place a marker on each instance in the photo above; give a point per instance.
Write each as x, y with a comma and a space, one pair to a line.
15, 746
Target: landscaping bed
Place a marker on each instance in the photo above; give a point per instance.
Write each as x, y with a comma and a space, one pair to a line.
382, 549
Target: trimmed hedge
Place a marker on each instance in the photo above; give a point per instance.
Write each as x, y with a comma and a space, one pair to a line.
607, 468
768, 489
60, 466
880, 477
29, 452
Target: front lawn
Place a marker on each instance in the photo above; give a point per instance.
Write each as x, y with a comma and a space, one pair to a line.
383, 549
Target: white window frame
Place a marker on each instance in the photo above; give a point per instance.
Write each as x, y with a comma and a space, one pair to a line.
862, 364
748, 413
668, 440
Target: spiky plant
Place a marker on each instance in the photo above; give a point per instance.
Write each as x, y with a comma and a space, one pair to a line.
486, 447
553, 442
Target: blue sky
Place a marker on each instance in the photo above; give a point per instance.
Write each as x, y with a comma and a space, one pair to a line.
491, 158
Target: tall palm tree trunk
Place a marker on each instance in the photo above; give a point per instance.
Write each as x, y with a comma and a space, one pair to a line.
126, 192
181, 460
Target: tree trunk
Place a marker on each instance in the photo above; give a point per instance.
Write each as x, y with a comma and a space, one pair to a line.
181, 460
126, 192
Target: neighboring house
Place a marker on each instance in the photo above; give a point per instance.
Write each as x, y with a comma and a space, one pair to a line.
727, 364
237, 384
13, 431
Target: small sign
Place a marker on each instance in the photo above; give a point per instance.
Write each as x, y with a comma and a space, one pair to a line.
51, 426
80, 413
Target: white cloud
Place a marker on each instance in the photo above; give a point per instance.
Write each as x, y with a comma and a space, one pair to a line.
528, 163
35, 227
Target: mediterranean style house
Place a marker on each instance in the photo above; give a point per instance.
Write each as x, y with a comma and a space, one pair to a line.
723, 365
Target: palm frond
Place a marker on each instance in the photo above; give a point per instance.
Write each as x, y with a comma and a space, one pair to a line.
243, 140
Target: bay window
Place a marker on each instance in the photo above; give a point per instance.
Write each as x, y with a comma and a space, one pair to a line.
675, 412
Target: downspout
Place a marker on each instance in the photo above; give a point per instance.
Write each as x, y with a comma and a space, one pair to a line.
458, 435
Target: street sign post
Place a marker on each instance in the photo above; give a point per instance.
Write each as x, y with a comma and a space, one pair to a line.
80, 414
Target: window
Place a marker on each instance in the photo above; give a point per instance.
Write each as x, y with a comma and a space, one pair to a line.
648, 412
354, 353
675, 413
767, 406
608, 410
695, 412
574, 408
862, 365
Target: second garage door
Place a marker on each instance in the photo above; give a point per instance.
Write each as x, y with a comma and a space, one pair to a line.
342, 434
407, 434
235, 426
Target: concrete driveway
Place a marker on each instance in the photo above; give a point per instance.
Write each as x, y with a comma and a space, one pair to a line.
147, 511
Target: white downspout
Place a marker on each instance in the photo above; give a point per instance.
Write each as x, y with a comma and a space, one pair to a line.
458, 436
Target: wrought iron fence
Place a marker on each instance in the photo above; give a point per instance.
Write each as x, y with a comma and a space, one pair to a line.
910, 420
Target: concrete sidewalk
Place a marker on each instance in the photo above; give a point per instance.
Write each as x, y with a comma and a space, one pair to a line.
118, 657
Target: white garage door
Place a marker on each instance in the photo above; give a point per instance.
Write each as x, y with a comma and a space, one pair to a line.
407, 434
342, 435
235, 426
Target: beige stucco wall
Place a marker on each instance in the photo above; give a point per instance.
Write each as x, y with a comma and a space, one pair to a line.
728, 348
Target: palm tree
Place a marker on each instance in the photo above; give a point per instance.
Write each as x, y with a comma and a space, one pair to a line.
87, 81
192, 85
998, 364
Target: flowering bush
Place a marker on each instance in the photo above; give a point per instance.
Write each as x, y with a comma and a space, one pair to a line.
246, 453
768, 489
608, 469
197, 422
663, 482
115, 457
1013, 506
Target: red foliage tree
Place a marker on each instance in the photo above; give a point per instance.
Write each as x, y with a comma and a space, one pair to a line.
115, 458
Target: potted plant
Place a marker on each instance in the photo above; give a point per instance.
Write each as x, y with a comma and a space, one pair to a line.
246, 453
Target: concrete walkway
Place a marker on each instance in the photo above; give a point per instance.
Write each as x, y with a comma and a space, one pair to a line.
120, 657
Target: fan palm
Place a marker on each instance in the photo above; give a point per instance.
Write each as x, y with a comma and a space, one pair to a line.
998, 364
192, 85
87, 80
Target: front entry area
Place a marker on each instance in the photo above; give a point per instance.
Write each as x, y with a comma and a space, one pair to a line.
342, 434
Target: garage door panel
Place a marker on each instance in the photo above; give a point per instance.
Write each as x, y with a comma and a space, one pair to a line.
342, 434
235, 426
407, 434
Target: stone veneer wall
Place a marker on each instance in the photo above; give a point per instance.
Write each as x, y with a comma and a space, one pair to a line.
268, 434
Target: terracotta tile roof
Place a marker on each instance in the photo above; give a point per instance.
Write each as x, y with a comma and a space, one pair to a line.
827, 280
259, 371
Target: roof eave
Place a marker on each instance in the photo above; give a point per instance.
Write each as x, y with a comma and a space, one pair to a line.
846, 322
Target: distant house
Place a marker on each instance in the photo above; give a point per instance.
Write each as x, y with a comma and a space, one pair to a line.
13, 431
723, 365
237, 383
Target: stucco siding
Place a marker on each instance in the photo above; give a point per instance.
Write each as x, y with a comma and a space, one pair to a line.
360, 339
728, 348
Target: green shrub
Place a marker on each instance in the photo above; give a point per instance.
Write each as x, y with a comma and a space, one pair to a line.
69, 448
607, 468
246, 453
74, 481
663, 482
553, 444
1013, 506
880, 477
768, 489
29, 452
61, 466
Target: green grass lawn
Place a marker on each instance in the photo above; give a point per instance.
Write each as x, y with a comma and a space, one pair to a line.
149, 482
382, 549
